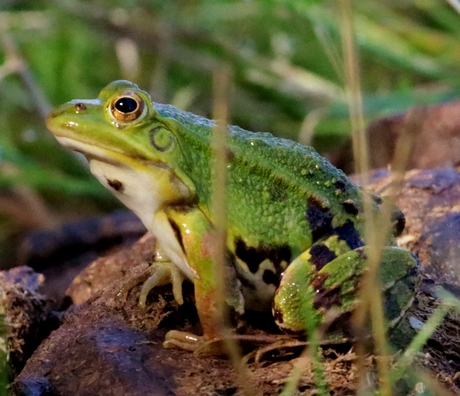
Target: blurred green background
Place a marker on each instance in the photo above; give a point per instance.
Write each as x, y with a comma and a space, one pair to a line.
285, 59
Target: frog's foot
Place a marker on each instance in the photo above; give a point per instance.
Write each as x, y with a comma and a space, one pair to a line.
216, 346
199, 345
158, 274
284, 342
132, 282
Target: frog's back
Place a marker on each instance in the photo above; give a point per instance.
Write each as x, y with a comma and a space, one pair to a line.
288, 190
279, 191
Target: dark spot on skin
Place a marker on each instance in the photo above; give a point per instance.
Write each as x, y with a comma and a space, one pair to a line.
117, 185
340, 185
277, 193
414, 271
391, 301
253, 256
230, 155
269, 277
391, 306
349, 234
321, 255
319, 218
177, 233
378, 200
278, 316
80, 107
399, 222
350, 207
318, 281
361, 254
325, 299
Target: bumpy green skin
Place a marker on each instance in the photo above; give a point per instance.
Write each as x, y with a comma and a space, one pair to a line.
295, 222
270, 180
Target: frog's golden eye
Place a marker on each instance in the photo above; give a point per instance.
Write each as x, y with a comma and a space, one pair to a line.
127, 107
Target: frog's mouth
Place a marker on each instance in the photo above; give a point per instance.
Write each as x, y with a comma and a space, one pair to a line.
92, 152
142, 185
111, 156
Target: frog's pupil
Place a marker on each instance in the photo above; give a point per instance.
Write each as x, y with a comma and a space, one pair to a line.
126, 105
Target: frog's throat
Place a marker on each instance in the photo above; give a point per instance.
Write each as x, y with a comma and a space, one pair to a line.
142, 187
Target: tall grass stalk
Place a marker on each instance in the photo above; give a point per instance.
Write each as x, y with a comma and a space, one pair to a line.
376, 227
313, 352
222, 85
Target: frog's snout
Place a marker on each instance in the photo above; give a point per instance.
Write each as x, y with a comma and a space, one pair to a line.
61, 111
62, 115
53, 116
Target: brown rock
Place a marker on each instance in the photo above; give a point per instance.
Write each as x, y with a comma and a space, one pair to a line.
434, 136
430, 201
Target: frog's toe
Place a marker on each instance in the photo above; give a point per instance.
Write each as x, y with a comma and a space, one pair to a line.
276, 347
162, 273
158, 274
175, 339
132, 282
199, 345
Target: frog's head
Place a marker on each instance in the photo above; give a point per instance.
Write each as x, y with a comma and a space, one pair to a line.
132, 150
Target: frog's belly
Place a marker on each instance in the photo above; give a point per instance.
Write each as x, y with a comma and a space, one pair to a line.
258, 287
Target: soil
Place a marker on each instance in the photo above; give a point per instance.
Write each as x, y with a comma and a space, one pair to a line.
110, 346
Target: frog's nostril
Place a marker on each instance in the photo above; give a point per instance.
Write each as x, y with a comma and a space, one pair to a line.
80, 107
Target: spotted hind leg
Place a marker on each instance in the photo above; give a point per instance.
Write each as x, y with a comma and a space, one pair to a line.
315, 291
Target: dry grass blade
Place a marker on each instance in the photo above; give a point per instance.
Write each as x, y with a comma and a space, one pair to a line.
377, 226
222, 82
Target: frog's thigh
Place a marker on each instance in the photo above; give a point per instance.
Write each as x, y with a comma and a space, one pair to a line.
307, 291
397, 277
294, 302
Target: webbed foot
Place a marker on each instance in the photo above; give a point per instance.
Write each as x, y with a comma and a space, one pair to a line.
160, 273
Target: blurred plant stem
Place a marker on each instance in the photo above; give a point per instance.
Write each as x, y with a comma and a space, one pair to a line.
371, 302
15, 64
222, 93
25, 204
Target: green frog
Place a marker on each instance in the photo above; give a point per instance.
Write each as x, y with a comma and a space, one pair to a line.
295, 224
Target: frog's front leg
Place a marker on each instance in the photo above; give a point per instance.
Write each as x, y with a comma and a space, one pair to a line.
196, 238
320, 287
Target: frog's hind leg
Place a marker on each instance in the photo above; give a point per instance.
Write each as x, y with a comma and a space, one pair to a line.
311, 295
